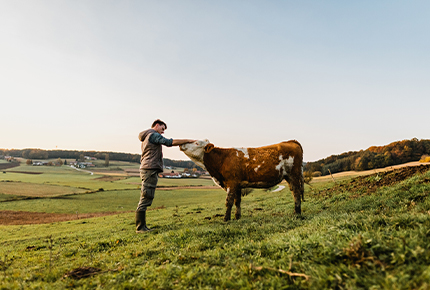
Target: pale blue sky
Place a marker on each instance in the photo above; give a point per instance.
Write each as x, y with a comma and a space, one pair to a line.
335, 75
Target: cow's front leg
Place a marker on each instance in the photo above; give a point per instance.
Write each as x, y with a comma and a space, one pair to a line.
237, 200
229, 203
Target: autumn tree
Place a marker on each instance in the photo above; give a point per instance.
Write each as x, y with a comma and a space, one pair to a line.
81, 158
107, 159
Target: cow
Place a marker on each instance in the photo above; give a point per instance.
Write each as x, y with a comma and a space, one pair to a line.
236, 168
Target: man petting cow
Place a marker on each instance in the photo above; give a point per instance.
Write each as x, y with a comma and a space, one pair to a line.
151, 163
231, 168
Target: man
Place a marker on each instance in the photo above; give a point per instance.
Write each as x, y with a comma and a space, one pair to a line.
151, 163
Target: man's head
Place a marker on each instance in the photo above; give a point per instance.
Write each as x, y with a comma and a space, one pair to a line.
159, 126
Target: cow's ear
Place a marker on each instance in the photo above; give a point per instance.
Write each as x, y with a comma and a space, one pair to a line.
209, 147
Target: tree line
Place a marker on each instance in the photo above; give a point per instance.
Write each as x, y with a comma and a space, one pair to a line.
31, 153
374, 157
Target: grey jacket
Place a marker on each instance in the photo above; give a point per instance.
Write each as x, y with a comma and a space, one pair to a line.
152, 154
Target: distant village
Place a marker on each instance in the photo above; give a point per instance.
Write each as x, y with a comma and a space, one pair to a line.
194, 173
58, 162
78, 164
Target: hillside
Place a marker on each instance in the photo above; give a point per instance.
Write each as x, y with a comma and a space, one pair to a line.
363, 233
374, 157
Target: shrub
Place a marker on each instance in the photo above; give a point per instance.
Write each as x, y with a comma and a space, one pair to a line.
307, 176
425, 158
316, 174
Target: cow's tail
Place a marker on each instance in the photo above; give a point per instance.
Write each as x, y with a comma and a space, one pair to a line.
302, 179
302, 184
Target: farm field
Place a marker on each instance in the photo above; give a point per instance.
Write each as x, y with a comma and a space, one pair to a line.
36, 190
74, 190
367, 232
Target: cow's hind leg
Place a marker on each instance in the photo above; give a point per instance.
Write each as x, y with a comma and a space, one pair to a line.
230, 200
297, 188
237, 200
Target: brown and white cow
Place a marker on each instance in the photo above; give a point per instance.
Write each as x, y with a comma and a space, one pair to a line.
262, 167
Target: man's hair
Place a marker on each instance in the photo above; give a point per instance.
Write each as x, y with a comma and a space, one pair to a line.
158, 121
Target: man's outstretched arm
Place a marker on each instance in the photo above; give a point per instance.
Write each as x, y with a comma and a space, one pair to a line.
157, 138
177, 142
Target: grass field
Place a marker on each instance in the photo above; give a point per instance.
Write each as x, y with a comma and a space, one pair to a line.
36, 190
67, 176
352, 235
114, 201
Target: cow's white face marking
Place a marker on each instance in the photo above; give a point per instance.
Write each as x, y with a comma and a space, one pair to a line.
243, 150
195, 151
256, 168
285, 164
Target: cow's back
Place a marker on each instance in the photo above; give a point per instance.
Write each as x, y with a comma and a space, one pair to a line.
268, 165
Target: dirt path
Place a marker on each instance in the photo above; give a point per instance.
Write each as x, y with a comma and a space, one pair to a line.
81, 170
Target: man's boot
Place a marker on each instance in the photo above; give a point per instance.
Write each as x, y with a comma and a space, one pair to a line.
141, 222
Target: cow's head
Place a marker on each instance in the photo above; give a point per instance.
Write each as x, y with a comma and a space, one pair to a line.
195, 151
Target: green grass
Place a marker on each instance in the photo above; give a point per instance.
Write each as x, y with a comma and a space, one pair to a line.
116, 200
9, 197
36, 190
79, 180
342, 241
